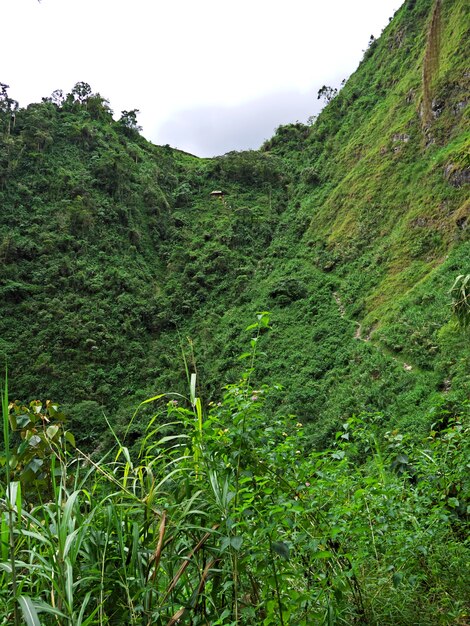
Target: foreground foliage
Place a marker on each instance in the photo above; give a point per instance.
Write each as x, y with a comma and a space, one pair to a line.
226, 519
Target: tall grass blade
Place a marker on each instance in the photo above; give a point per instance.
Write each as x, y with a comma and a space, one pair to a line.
29, 611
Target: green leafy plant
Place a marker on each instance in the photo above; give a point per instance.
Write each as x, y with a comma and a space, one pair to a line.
460, 293
226, 517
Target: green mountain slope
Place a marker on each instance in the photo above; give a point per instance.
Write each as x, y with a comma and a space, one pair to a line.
350, 231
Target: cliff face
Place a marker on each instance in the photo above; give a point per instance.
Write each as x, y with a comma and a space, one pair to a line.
350, 231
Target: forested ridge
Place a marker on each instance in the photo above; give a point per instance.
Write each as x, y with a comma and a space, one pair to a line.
342, 247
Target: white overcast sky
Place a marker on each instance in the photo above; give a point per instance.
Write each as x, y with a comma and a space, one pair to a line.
208, 76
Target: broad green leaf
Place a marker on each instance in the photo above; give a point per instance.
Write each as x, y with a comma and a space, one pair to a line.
193, 389
69, 582
126, 454
236, 542
29, 611
44, 607
224, 544
22, 421
34, 441
172, 438
4, 537
12, 492
69, 541
34, 465
52, 431
160, 395
324, 554
70, 438
281, 548
6, 567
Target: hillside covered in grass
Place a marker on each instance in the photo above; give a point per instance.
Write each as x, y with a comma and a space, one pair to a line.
350, 231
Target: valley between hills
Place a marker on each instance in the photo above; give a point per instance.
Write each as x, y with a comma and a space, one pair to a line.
237, 389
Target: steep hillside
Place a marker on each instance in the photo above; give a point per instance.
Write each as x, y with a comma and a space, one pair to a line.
350, 232
366, 248
384, 209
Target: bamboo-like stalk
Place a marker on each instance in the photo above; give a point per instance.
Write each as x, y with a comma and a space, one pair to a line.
6, 440
205, 575
276, 580
187, 561
158, 550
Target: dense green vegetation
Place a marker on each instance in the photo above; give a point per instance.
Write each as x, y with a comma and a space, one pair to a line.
219, 518
354, 228
113, 251
331, 484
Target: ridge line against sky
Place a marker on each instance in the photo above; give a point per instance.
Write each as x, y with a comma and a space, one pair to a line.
207, 77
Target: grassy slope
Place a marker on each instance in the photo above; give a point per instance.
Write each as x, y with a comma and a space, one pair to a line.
372, 218
356, 220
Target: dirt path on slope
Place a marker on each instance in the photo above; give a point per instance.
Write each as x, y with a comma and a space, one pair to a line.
385, 351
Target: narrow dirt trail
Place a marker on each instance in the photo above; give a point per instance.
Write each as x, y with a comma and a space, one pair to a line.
386, 352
